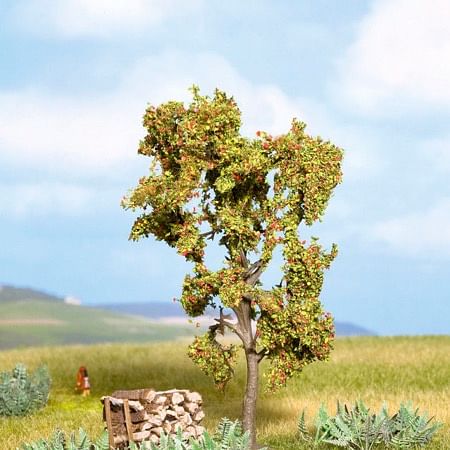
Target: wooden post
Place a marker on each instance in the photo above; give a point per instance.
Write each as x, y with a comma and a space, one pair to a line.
107, 406
126, 410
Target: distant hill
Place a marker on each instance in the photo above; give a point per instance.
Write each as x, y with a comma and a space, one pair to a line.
151, 310
350, 329
164, 310
29, 317
12, 293
32, 318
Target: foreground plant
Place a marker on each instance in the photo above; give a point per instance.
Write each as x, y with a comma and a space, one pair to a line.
357, 428
228, 436
22, 393
59, 441
206, 181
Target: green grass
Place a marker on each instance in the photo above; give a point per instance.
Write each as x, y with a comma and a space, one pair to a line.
370, 368
34, 322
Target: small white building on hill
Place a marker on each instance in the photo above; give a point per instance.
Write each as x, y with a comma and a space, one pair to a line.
70, 300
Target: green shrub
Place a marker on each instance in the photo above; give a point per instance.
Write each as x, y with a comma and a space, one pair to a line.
59, 441
228, 436
359, 429
21, 393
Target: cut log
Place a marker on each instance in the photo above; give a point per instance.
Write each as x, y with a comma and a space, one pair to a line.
179, 410
171, 414
136, 416
186, 419
160, 400
158, 431
148, 395
177, 398
135, 405
139, 437
146, 426
191, 407
194, 397
155, 421
199, 415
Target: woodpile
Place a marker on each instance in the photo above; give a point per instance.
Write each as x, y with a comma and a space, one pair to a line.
144, 414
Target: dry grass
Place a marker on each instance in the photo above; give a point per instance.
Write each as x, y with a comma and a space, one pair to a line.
373, 369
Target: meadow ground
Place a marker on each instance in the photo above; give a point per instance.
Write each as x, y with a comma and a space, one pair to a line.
374, 369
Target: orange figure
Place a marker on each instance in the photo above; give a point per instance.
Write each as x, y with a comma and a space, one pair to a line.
83, 384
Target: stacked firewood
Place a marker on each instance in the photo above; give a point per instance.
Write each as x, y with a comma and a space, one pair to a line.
144, 414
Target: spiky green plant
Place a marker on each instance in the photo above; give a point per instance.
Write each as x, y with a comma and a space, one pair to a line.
228, 436
22, 393
359, 429
410, 429
302, 429
59, 441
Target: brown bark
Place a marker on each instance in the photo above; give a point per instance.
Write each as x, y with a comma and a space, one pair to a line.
244, 330
244, 326
251, 395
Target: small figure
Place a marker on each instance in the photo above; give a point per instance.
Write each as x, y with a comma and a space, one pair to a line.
83, 384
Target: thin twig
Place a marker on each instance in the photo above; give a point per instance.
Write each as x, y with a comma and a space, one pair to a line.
208, 234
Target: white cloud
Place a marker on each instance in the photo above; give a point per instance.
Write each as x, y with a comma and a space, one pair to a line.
41, 199
437, 152
98, 18
424, 234
169, 75
399, 58
67, 134
72, 137
75, 135
264, 107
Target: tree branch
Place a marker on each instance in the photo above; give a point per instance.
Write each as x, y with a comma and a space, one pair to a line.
208, 234
232, 327
261, 355
254, 272
244, 260
222, 323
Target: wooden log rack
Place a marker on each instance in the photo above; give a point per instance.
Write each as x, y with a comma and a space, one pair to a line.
143, 415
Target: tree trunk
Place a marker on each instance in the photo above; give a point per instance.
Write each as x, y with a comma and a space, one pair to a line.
251, 394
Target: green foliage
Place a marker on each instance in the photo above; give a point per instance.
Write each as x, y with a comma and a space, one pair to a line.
302, 429
228, 436
213, 358
208, 181
357, 428
59, 441
410, 430
21, 393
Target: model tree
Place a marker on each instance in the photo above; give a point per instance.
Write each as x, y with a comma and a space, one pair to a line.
206, 181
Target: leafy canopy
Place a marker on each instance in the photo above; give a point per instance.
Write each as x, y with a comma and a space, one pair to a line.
207, 181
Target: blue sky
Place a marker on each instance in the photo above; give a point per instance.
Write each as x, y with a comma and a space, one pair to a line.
372, 76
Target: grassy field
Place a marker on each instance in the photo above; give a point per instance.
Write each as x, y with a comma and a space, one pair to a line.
40, 322
369, 368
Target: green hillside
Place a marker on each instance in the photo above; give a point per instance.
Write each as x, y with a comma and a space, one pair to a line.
12, 293
37, 322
